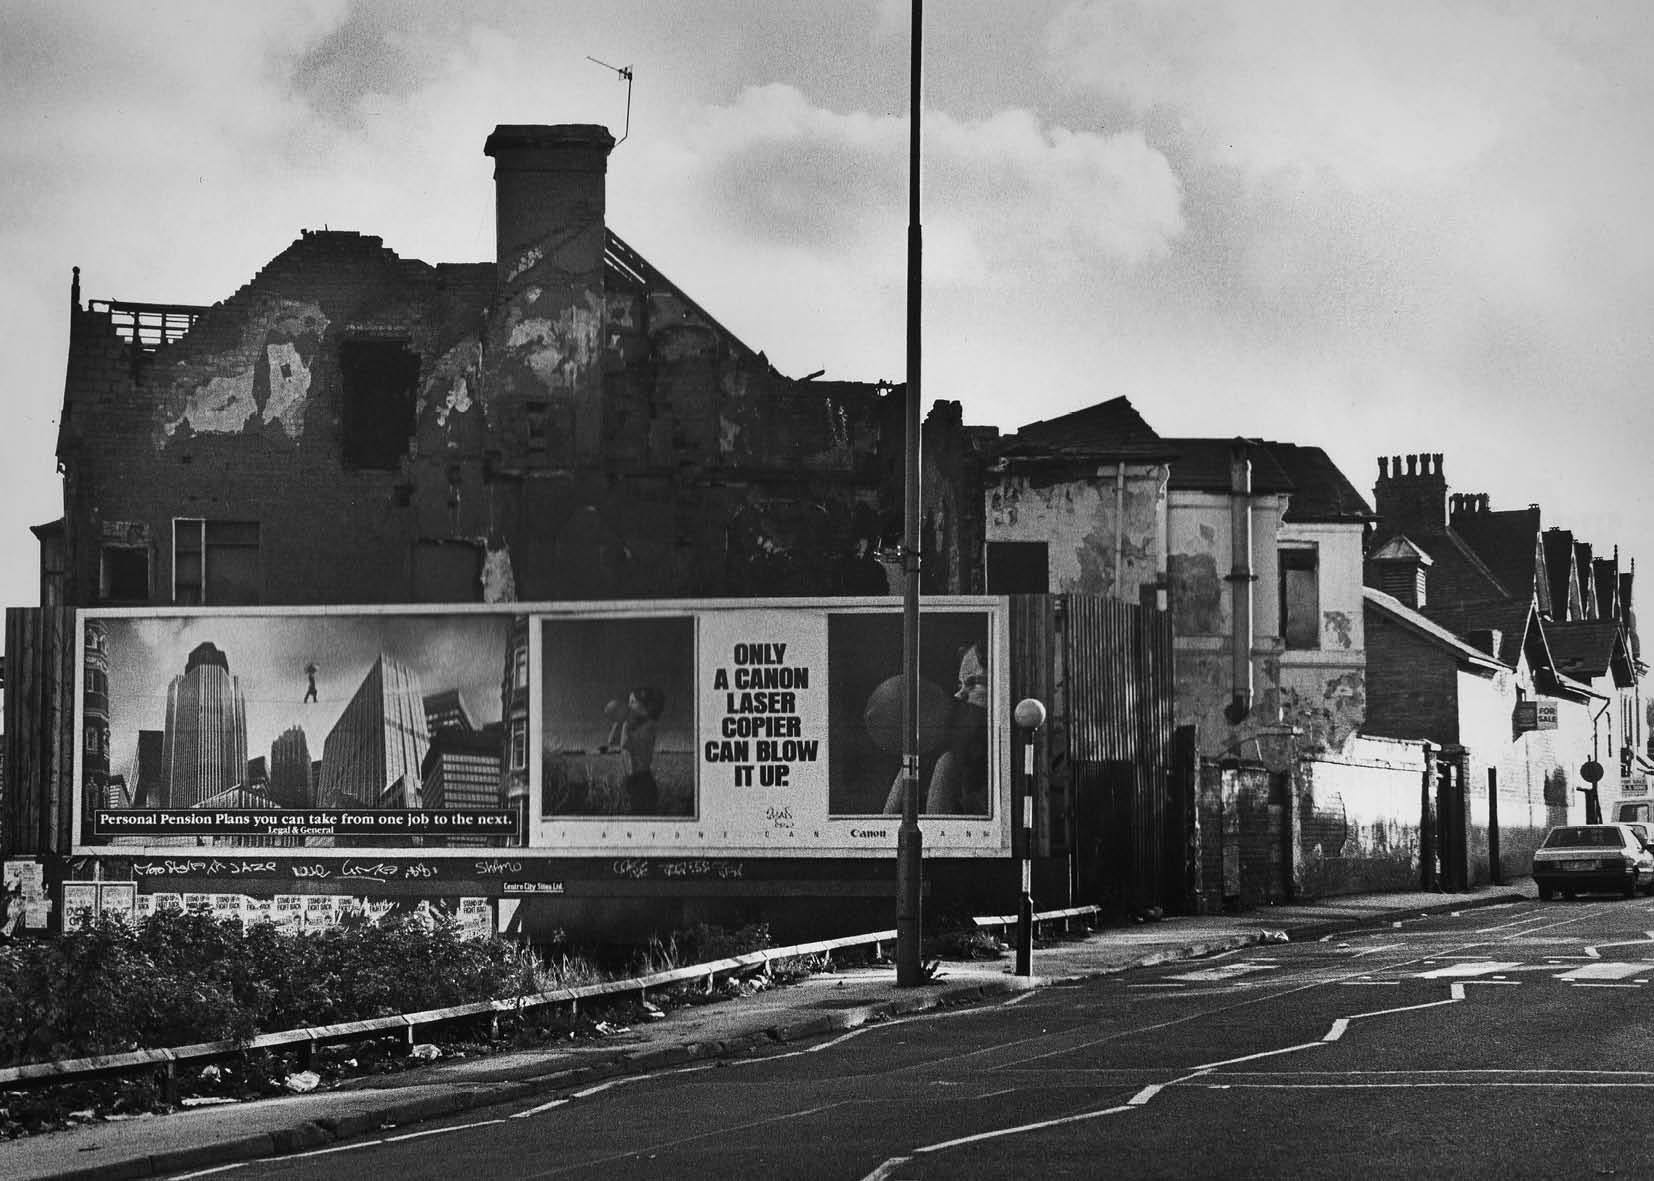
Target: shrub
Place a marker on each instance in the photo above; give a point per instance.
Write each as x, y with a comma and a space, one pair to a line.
179, 978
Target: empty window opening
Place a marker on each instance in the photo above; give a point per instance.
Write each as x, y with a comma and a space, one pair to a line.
123, 574
380, 379
1300, 598
215, 562
1018, 568
536, 425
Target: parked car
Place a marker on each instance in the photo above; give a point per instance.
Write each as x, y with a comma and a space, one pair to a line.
1633, 812
1577, 857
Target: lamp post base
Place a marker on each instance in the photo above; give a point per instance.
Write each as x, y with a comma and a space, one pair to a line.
910, 968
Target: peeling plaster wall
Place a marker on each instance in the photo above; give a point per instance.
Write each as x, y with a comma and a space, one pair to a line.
264, 379
1085, 532
1323, 691
241, 420
1200, 557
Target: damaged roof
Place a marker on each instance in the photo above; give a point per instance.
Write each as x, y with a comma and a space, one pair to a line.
1115, 430
1112, 429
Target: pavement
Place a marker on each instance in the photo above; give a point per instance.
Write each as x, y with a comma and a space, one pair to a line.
820, 1006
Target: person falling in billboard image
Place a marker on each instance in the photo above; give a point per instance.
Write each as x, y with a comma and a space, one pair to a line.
959, 779
635, 726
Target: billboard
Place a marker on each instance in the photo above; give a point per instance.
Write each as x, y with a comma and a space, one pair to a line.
756, 728
298, 730
764, 728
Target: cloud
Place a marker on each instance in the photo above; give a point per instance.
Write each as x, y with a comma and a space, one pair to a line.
1003, 197
1333, 86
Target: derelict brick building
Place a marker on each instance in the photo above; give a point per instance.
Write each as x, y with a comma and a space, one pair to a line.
559, 423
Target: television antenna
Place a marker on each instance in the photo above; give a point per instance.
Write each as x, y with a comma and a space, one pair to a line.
625, 75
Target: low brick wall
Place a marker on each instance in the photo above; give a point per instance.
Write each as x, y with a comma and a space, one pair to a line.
1358, 818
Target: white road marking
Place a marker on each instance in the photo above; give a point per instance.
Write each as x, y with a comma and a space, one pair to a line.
441, 1131
1594, 984
1476, 968
1605, 970
1222, 972
1595, 950
582, 1094
1291, 1086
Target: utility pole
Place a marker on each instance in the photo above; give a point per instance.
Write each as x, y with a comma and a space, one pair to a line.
910, 969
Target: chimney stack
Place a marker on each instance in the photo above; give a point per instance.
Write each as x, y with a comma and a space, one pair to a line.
1414, 500
549, 190
544, 361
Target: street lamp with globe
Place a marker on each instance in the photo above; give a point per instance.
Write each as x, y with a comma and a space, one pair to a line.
1029, 716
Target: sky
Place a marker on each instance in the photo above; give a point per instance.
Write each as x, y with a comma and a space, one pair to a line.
1379, 229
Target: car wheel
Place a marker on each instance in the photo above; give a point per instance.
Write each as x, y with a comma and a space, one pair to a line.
1568, 895
1546, 893
1630, 890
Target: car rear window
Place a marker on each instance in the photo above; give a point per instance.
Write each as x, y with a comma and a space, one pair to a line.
1584, 837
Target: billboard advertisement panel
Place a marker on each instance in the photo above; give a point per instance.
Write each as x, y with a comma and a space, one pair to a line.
765, 728
297, 730
681, 729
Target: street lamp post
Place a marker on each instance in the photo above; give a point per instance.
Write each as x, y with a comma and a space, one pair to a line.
910, 970
1029, 716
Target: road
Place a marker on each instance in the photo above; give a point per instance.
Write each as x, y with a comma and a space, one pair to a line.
1511, 1041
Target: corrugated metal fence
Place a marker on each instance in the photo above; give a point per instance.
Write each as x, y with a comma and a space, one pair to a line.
39, 739
1121, 799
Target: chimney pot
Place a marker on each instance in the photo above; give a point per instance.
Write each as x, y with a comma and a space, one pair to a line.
1383, 468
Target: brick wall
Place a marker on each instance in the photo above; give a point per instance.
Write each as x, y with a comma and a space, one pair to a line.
1243, 821
1412, 684
1358, 818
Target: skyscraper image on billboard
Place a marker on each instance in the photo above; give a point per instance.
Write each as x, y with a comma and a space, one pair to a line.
305, 729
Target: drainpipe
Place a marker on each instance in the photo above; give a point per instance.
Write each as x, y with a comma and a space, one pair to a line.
1240, 581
